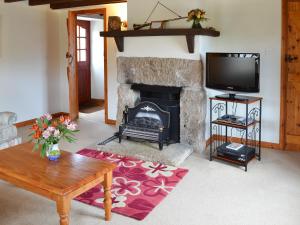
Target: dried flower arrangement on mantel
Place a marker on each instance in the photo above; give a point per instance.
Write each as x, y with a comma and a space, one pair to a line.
197, 16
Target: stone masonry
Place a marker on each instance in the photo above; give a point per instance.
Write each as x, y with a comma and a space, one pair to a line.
168, 72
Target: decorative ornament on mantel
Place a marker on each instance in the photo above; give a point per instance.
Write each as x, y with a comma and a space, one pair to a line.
159, 28
116, 24
158, 24
197, 16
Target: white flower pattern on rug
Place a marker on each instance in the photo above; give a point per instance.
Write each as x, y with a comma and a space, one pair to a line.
117, 201
121, 186
157, 169
123, 161
163, 187
158, 186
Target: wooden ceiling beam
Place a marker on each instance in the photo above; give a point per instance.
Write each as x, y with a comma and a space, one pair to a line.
61, 4
39, 2
44, 2
9, 1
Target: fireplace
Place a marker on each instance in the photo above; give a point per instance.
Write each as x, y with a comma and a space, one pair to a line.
146, 121
168, 99
175, 85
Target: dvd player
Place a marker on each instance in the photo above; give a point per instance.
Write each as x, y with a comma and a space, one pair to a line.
243, 154
236, 119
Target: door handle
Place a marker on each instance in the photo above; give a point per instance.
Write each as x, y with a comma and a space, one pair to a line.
290, 58
69, 57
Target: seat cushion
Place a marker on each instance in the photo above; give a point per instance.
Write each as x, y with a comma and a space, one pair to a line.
10, 143
7, 133
7, 118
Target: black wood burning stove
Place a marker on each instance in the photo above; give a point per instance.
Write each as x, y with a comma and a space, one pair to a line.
168, 99
146, 121
156, 117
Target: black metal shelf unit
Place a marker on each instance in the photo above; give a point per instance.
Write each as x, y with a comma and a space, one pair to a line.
227, 128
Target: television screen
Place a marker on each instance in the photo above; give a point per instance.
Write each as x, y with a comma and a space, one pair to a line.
237, 72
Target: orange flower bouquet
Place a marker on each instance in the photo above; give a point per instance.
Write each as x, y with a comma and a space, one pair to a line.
48, 132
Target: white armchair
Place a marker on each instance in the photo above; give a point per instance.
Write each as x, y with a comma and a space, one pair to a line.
8, 132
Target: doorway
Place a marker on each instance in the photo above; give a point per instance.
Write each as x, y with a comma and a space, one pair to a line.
83, 50
90, 65
290, 106
87, 67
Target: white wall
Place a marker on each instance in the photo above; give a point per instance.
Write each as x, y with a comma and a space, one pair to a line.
33, 41
112, 9
246, 26
163, 46
97, 60
252, 26
29, 61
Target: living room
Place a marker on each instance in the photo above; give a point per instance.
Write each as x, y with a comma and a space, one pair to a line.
38, 77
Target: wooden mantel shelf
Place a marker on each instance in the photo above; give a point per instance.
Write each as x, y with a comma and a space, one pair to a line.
188, 33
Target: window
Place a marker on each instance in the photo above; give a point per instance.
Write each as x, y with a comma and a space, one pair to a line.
81, 44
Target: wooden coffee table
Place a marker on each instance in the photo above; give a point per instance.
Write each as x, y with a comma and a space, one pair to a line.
59, 181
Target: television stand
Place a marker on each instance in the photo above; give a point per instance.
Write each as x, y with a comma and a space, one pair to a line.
232, 97
235, 138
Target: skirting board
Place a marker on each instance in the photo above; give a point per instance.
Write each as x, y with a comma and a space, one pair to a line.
56, 115
30, 122
264, 144
111, 122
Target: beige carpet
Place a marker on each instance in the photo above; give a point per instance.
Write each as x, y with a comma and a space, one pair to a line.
212, 193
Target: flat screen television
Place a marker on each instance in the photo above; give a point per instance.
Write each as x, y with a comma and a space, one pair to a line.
233, 72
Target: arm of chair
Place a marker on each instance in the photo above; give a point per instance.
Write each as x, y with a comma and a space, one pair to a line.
8, 118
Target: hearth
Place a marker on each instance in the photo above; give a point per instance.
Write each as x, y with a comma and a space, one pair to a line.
168, 99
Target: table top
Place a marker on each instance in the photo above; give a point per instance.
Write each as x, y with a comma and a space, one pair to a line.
61, 177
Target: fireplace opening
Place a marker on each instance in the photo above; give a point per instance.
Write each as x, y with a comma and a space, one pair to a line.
168, 99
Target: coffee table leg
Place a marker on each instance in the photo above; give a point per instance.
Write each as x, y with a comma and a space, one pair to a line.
63, 209
107, 195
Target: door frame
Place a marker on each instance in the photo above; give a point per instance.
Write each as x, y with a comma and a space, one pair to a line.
283, 83
73, 78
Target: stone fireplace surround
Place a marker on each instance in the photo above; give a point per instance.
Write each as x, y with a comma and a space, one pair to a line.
170, 72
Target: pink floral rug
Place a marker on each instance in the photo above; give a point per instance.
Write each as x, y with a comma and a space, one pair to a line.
138, 186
